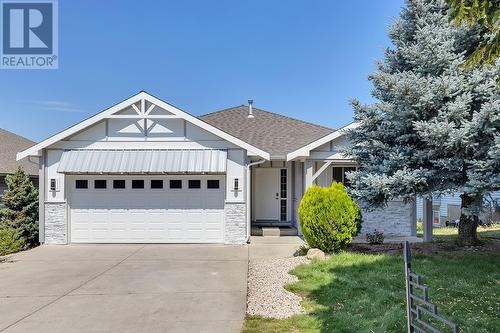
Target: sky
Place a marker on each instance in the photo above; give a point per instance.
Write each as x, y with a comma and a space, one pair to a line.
304, 59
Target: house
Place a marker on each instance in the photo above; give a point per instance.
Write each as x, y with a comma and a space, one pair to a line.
446, 208
144, 171
10, 144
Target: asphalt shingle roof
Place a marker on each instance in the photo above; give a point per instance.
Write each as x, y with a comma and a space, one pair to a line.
10, 145
271, 132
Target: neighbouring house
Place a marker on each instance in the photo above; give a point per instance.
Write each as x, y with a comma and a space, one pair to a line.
446, 208
144, 171
10, 144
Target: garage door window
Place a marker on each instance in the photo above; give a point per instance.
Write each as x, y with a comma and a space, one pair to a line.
194, 183
156, 183
118, 183
212, 183
81, 183
176, 183
137, 183
100, 183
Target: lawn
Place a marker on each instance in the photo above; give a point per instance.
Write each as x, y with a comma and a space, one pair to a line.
451, 234
359, 292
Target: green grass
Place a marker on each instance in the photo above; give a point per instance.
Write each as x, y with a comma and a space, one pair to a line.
445, 234
354, 292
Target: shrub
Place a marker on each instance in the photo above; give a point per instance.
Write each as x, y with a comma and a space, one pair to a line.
377, 237
10, 242
329, 217
20, 207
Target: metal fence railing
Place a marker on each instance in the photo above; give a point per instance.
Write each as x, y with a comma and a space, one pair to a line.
422, 315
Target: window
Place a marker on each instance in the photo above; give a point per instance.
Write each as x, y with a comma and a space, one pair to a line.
194, 183
138, 183
283, 210
175, 183
436, 220
283, 194
81, 183
339, 174
118, 183
156, 183
100, 183
213, 183
283, 189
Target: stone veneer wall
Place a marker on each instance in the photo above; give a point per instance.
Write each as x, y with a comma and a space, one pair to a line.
397, 219
56, 231
235, 220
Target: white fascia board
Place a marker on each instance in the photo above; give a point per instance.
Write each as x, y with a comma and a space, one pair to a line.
34, 150
306, 150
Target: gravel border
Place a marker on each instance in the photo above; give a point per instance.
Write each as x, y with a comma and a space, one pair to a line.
266, 295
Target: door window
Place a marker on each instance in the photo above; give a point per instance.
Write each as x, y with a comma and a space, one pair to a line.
118, 183
138, 183
283, 194
81, 183
213, 184
175, 183
194, 183
156, 183
100, 183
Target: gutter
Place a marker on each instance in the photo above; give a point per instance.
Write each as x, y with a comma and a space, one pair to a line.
249, 196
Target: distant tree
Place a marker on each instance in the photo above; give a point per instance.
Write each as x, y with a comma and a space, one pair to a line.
485, 15
20, 211
436, 126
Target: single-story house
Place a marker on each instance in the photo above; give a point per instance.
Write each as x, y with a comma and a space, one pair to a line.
10, 144
144, 171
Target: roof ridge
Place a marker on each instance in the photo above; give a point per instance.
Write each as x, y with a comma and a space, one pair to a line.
213, 112
273, 113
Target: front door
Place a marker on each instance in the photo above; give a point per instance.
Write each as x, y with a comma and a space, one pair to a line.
267, 194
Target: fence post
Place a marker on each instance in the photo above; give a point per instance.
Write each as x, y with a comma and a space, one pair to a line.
407, 258
418, 306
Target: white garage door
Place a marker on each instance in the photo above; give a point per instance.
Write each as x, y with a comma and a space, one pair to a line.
184, 209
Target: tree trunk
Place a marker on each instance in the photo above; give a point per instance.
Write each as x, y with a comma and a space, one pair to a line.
467, 228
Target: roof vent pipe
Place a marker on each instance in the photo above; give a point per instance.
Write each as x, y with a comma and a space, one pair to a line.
250, 108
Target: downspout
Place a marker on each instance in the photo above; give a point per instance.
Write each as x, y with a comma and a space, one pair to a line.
249, 196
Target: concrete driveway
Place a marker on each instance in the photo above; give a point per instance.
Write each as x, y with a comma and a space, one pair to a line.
124, 288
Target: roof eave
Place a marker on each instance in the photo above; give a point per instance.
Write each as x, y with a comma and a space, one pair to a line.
305, 151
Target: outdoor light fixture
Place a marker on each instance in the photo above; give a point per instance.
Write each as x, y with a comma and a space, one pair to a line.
53, 184
236, 184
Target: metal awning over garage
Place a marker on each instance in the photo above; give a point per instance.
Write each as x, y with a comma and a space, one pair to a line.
86, 161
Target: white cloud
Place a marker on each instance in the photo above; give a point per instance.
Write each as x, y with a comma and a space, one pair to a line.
59, 106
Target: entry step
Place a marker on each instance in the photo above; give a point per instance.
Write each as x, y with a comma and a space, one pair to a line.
274, 231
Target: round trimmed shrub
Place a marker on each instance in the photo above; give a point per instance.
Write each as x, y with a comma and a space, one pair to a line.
329, 217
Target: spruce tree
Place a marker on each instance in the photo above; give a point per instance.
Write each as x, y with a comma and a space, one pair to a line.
20, 211
435, 127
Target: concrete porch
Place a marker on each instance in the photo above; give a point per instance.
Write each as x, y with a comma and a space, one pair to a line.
273, 230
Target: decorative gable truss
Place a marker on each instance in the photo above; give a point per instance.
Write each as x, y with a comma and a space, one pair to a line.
140, 117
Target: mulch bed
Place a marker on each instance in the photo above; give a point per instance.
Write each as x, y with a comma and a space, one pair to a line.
489, 246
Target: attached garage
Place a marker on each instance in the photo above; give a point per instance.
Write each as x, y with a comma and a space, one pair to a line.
153, 209
111, 200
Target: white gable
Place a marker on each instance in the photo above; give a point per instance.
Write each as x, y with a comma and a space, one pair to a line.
146, 120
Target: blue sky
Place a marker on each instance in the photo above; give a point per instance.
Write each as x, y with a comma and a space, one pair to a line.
304, 59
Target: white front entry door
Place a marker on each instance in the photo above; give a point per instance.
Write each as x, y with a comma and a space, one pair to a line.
267, 194
155, 209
